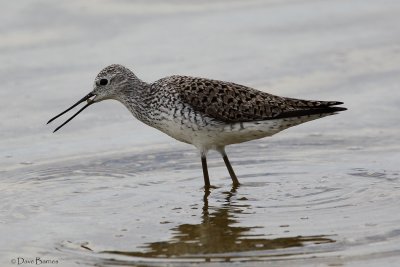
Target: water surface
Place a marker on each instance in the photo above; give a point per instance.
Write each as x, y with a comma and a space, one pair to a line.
108, 191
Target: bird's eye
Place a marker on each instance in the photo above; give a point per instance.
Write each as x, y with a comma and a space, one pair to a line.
103, 82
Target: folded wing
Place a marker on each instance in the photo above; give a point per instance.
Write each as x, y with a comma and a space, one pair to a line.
230, 102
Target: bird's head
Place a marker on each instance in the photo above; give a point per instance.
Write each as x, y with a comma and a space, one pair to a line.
112, 82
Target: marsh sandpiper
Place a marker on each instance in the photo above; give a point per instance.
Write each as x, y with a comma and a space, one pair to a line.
208, 114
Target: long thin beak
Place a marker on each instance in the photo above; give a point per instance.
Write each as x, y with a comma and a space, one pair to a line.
86, 98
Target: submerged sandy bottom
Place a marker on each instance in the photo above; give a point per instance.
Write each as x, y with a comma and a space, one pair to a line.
300, 199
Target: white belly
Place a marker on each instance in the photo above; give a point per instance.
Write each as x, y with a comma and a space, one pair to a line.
219, 135
207, 133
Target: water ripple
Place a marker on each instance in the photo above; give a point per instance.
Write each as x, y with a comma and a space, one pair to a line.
150, 207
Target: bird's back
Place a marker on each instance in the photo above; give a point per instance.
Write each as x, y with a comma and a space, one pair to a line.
230, 102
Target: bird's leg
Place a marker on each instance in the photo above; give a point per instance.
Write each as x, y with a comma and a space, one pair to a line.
205, 172
235, 180
228, 165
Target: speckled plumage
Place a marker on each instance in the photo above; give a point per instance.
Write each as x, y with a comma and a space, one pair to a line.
230, 102
208, 114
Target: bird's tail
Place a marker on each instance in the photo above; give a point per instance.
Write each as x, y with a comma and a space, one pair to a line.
312, 107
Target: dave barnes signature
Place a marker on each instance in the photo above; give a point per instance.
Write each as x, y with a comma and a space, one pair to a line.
35, 261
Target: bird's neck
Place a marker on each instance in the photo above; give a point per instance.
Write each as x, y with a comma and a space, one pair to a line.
137, 98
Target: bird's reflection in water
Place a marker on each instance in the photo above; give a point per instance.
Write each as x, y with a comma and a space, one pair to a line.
216, 234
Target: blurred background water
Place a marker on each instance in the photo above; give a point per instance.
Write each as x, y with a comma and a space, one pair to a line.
106, 190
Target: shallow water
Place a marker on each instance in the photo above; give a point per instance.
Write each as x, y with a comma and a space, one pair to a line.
150, 208
107, 191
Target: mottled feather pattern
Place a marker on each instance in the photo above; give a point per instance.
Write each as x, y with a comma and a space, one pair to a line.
212, 114
208, 114
230, 102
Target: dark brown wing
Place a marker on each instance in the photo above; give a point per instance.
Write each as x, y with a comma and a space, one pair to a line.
230, 102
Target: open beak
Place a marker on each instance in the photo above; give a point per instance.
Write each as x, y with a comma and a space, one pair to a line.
86, 98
